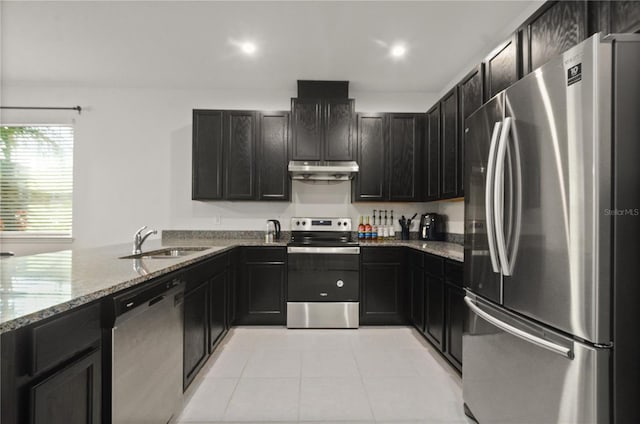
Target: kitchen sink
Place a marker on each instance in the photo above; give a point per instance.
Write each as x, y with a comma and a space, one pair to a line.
166, 253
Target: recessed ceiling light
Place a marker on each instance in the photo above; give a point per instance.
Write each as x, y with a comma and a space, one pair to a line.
398, 50
248, 47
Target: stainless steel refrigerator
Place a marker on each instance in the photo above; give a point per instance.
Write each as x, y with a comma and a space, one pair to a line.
552, 253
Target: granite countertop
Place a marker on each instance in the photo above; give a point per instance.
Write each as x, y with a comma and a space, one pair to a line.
36, 287
451, 251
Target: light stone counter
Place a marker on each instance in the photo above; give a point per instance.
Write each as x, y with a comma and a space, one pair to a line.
35, 287
451, 251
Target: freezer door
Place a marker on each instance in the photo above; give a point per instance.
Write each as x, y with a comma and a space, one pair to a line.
518, 372
558, 163
481, 267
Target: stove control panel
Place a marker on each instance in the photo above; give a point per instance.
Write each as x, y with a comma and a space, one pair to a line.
320, 224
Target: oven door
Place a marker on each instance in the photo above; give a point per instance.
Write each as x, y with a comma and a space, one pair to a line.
323, 287
323, 274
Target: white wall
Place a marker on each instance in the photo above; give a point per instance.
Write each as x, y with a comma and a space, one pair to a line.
132, 161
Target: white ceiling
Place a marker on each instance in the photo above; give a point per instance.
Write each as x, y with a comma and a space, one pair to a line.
185, 44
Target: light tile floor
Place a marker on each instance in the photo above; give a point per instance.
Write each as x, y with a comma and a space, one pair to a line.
369, 375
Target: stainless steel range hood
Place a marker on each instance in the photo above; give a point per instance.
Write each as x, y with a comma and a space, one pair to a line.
322, 172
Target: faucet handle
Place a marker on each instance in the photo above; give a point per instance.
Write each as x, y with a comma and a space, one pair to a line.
140, 230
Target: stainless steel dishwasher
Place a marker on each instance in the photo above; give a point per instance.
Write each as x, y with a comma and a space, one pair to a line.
147, 340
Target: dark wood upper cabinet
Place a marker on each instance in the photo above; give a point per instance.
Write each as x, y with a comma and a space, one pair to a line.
389, 153
239, 153
449, 145
431, 153
369, 183
207, 155
624, 16
551, 30
306, 128
404, 156
502, 67
339, 123
471, 90
322, 129
613, 17
273, 140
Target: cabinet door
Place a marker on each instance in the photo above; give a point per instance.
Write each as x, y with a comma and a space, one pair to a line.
233, 276
382, 294
434, 317
501, 67
71, 395
338, 125
263, 294
195, 331
306, 127
455, 308
273, 139
471, 90
624, 16
449, 145
554, 28
207, 168
217, 308
416, 278
369, 183
239, 155
431, 181
404, 153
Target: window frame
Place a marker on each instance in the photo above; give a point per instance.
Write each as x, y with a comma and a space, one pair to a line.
45, 236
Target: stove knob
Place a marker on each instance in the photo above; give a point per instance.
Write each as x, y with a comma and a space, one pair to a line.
304, 222
339, 283
298, 223
339, 223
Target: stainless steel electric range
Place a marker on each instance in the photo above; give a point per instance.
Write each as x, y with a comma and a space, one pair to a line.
323, 274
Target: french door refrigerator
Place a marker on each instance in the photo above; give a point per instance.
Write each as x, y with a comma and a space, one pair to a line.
552, 233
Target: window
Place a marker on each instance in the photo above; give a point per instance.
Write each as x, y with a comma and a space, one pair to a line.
36, 181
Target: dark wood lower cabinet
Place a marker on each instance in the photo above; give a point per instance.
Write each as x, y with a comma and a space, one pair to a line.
71, 395
51, 371
262, 292
416, 279
196, 349
217, 309
382, 288
434, 306
456, 310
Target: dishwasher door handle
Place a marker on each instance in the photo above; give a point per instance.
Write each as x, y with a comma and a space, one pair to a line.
156, 300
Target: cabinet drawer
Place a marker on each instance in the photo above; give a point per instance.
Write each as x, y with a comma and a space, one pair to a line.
60, 339
264, 254
453, 272
205, 270
415, 258
433, 264
381, 254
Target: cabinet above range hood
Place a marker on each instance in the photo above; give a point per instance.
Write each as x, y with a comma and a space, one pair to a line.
323, 172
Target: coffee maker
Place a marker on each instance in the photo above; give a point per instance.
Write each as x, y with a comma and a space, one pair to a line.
431, 227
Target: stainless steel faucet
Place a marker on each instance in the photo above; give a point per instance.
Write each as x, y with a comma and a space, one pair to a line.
138, 239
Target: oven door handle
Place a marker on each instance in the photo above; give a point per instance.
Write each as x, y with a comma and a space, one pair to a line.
351, 250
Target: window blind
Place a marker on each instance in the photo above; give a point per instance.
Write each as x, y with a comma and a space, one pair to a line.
36, 181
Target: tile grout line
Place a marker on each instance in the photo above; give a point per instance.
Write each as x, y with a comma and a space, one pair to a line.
226, 408
364, 387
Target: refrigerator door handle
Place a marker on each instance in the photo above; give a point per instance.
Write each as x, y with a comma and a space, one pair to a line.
538, 341
498, 197
488, 198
